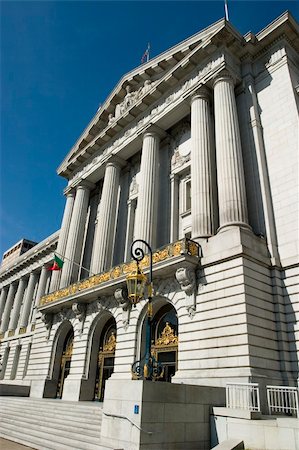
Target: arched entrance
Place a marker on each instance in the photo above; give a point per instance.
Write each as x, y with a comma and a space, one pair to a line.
165, 340
105, 358
65, 363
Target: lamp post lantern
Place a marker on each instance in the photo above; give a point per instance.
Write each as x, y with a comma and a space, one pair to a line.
147, 368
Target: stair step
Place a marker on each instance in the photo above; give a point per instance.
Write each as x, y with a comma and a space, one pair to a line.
49, 424
51, 430
46, 440
52, 404
75, 429
67, 415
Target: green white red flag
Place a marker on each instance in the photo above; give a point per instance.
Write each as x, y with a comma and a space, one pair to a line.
57, 264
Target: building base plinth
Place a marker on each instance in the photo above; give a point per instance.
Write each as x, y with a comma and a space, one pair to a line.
146, 415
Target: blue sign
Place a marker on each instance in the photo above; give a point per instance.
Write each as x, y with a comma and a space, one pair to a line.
136, 409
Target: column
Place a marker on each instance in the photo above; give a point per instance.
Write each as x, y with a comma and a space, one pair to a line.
17, 304
63, 235
230, 172
8, 306
28, 300
3, 298
147, 203
44, 274
131, 203
72, 255
201, 167
174, 208
104, 236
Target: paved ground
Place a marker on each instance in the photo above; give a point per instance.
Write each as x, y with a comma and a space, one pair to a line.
10, 445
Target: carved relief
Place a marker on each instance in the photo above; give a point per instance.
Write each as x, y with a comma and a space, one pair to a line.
181, 148
129, 100
160, 106
187, 280
168, 337
47, 318
110, 345
121, 296
80, 310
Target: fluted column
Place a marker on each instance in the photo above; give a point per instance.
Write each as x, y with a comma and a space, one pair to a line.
103, 241
63, 235
174, 208
28, 300
17, 304
42, 282
230, 171
201, 167
75, 236
3, 298
147, 203
8, 306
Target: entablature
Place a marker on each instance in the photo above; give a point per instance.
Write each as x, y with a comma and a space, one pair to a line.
130, 99
164, 113
166, 260
29, 261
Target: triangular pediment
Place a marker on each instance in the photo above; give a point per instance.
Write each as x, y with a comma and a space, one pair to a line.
142, 86
139, 81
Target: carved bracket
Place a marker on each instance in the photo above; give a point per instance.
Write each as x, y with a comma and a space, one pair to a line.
80, 310
187, 280
47, 318
121, 296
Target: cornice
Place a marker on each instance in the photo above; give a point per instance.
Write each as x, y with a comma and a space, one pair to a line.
30, 260
211, 38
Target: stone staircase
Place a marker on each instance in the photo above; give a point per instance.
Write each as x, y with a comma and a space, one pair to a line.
49, 424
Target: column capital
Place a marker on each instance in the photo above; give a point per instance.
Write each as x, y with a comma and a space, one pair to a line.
69, 191
203, 93
116, 161
155, 131
84, 184
224, 75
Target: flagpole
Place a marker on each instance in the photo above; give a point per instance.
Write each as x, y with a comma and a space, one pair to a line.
76, 264
226, 10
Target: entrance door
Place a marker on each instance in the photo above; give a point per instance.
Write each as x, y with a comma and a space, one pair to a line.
65, 362
165, 345
105, 360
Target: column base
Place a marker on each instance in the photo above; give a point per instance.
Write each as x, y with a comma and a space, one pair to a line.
232, 225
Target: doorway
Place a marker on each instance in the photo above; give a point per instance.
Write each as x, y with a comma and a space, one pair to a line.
65, 362
105, 363
165, 340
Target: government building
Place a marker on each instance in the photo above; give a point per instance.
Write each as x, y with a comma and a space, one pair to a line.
194, 152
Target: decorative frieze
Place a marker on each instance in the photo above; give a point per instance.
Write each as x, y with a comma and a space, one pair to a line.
183, 88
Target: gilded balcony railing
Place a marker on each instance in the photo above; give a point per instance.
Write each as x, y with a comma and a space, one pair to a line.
181, 247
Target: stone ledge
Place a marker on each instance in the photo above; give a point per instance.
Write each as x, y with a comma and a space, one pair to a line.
236, 413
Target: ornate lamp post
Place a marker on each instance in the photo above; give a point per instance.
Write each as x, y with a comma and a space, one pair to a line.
147, 368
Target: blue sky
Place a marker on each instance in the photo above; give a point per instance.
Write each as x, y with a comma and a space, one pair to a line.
59, 61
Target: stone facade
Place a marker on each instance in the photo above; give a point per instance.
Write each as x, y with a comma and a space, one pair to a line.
199, 143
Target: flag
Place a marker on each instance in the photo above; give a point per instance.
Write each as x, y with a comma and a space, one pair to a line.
57, 264
146, 54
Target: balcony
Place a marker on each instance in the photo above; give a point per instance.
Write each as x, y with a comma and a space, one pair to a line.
166, 260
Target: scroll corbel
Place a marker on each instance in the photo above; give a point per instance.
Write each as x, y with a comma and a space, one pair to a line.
80, 312
187, 280
121, 296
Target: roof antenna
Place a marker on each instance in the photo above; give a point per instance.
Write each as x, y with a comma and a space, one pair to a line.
226, 10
